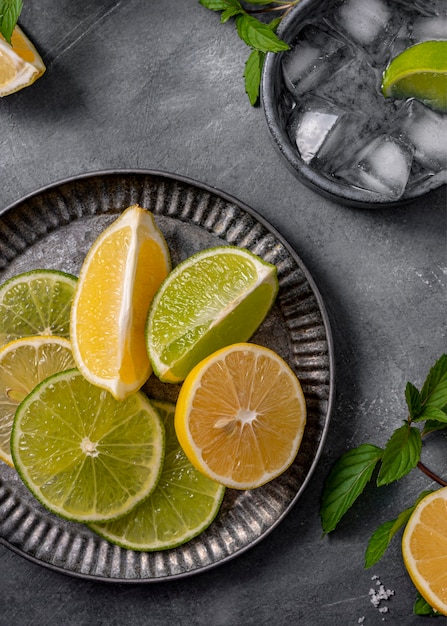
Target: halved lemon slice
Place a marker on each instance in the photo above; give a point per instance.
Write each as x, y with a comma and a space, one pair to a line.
23, 364
20, 63
424, 549
240, 416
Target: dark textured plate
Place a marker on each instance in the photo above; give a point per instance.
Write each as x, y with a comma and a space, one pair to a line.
54, 228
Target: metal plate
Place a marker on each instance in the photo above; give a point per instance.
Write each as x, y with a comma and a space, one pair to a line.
54, 228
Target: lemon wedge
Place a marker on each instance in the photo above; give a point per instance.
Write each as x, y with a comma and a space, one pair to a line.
20, 63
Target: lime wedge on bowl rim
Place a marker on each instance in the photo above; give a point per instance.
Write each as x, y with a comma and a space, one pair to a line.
182, 505
23, 364
419, 72
84, 455
214, 298
37, 302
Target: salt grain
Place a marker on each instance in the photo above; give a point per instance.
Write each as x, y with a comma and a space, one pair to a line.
379, 595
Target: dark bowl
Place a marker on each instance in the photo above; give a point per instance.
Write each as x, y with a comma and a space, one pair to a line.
275, 101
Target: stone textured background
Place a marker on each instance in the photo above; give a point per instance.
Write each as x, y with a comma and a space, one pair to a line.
158, 84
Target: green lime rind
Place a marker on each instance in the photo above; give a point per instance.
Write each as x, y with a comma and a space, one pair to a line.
84, 455
37, 302
183, 504
419, 72
214, 298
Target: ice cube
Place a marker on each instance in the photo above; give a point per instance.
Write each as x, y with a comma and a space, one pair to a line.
427, 28
371, 24
314, 56
426, 130
321, 130
382, 167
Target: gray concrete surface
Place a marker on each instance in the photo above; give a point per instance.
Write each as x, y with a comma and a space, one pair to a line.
158, 84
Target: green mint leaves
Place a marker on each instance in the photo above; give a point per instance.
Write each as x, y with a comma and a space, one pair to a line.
259, 36
427, 412
9, 14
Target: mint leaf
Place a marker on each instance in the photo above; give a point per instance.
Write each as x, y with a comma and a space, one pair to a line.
215, 5
378, 543
432, 413
431, 426
401, 455
9, 14
346, 481
258, 35
413, 398
252, 75
422, 607
434, 390
231, 12
381, 538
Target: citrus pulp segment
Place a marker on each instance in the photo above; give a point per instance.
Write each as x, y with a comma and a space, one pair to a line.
36, 303
240, 416
214, 298
83, 454
182, 505
119, 276
424, 549
419, 72
23, 364
20, 63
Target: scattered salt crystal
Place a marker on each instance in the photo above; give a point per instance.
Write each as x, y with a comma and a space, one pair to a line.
380, 594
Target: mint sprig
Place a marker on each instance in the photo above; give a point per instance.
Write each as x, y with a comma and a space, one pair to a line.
9, 14
259, 35
427, 412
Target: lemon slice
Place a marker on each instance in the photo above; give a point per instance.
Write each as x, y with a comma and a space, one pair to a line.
419, 72
240, 416
119, 276
424, 549
36, 303
23, 364
20, 63
182, 505
84, 455
214, 298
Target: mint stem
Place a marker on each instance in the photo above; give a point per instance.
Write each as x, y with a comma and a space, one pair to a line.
431, 474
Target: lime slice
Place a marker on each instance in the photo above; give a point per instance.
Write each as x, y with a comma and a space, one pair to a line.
23, 364
83, 454
214, 298
36, 303
419, 72
183, 504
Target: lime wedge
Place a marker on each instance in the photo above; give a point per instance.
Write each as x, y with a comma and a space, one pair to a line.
23, 364
183, 504
83, 454
214, 298
419, 72
36, 303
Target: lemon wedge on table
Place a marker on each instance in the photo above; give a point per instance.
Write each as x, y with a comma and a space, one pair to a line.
424, 549
20, 63
419, 72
